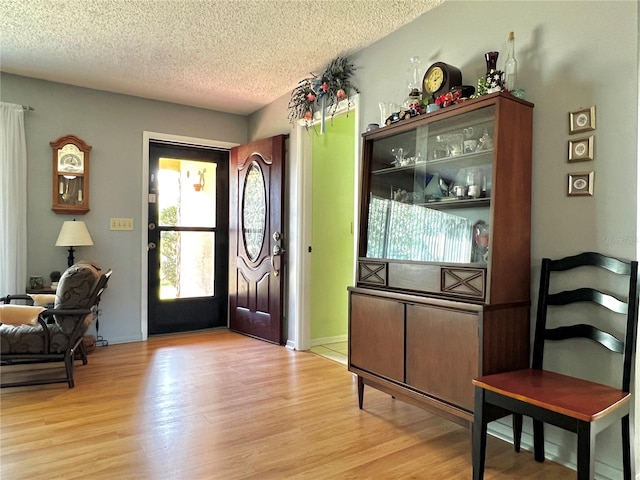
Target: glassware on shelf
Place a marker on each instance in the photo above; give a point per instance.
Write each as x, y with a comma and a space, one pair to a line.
468, 133
398, 154
481, 233
414, 99
474, 182
386, 110
415, 76
445, 187
473, 176
460, 191
470, 146
485, 142
433, 188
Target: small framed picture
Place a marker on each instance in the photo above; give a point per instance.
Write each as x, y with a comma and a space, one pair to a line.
580, 183
582, 120
581, 149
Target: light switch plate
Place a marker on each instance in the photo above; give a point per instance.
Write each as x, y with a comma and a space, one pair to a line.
121, 224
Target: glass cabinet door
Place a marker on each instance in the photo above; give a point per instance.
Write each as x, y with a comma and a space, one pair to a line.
429, 195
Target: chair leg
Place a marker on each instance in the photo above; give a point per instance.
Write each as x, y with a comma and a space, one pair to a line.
517, 431
538, 440
82, 352
68, 365
627, 460
479, 435
586, 451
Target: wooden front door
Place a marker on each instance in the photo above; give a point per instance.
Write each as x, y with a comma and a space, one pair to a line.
256, 239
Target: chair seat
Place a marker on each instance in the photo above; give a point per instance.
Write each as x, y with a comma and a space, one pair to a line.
574, 397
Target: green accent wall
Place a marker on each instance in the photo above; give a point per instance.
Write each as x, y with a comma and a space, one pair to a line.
332, 226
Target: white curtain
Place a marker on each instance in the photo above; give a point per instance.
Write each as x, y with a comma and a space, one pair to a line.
13, 200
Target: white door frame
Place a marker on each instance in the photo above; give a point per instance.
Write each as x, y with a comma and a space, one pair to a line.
176, 139
300, 221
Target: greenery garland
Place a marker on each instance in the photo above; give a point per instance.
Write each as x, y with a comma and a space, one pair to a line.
324, 92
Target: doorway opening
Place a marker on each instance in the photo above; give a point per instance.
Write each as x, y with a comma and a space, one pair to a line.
332, 234
311, 329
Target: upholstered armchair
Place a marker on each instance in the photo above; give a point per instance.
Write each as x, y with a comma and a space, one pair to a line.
32, 334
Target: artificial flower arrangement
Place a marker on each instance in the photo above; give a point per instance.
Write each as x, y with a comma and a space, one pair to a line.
322, 93
486, 86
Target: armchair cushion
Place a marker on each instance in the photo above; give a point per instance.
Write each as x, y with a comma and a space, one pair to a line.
19, 314
74, 292
21, 339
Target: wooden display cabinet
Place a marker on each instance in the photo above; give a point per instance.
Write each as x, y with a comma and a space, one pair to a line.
70, 175
443, 278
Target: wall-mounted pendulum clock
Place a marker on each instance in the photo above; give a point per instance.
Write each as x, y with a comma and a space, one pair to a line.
70, 175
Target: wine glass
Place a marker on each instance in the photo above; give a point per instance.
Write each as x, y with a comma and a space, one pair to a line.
398, 153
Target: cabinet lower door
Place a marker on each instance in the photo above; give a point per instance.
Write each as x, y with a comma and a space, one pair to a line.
442, 353
376, 336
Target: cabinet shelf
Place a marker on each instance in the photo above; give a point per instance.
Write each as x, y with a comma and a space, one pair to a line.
453, 203
465, 160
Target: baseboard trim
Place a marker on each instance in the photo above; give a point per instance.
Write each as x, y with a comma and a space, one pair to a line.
327, 340
116, 340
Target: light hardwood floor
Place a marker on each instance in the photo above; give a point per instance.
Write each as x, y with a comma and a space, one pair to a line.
217, 405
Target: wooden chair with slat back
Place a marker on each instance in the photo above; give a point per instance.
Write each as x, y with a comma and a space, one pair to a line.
571, 403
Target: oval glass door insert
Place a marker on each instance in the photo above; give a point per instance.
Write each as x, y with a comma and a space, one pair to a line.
254, 210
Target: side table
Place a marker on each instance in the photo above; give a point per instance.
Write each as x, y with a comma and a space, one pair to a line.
41, 291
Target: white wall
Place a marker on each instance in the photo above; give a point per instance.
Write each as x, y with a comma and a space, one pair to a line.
571, 55
113, 125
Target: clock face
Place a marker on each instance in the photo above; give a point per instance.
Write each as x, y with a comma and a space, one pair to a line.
433, 80
70, 159
70, 163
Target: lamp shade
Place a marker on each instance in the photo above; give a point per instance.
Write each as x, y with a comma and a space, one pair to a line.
74, 234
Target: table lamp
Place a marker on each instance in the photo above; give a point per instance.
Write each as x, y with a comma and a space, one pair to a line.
73, 234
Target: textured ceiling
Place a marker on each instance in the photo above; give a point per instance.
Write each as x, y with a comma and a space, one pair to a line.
227, 55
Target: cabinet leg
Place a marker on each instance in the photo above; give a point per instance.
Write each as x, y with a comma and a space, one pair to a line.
360, 391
